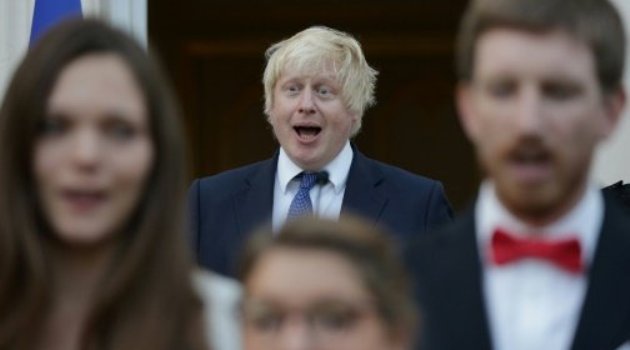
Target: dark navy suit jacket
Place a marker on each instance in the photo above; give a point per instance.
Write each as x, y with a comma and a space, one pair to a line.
224, 208
448, 277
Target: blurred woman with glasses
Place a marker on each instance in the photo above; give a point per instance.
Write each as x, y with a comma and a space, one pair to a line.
325, 285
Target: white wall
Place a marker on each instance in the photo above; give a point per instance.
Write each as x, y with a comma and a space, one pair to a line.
612, 162
16, 17
15, 29
129, 15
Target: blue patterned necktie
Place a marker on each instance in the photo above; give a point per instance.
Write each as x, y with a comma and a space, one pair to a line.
301, 204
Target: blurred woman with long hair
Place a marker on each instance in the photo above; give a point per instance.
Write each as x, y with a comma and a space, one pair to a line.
92, 178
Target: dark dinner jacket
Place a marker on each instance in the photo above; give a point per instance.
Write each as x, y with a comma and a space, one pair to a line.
224, 208
447, 272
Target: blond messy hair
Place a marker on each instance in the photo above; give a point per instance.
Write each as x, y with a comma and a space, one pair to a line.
315, 50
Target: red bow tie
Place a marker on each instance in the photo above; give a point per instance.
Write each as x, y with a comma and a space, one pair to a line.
565, 253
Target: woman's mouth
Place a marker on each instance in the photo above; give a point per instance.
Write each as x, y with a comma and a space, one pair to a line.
83, 200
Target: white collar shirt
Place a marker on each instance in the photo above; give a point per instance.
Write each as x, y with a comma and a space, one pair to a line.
326, 199
533, 304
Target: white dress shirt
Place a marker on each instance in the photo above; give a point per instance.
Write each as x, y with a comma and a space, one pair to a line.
326, 199
531, 303
220, 296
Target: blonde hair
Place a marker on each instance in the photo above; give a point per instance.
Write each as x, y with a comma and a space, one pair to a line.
314, 50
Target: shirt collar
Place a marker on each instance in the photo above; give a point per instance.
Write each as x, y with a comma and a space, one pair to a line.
337, 169
584, 220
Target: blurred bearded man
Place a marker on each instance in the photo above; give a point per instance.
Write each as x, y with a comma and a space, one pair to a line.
542, 260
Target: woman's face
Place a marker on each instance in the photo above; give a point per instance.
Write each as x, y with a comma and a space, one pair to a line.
94, 151
310, 299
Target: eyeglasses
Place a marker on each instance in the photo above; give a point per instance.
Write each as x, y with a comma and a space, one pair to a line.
326, 319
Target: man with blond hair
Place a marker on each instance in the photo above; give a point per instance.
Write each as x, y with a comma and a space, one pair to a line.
317, 88
542, 260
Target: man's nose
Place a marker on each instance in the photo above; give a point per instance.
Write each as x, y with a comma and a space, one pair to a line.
307, 104
529, 113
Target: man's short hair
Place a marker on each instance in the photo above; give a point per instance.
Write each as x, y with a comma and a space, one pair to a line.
317, 49
594, 22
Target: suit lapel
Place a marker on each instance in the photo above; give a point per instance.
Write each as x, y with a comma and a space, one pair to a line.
362, 195
460, 295
605, 319
254, 204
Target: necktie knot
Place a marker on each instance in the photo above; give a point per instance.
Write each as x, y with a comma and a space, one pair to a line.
565, 253
301, 204
307, 180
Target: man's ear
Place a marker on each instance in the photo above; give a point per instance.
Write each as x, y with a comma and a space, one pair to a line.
465, 109
614, 103
267, 116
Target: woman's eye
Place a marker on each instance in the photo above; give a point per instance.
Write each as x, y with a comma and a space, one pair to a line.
334, 319
52, 126
502, 89
268, 322
265, 322
120, 131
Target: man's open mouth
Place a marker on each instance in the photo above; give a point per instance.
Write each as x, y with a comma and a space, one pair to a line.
531, 156
531, 164
307, 132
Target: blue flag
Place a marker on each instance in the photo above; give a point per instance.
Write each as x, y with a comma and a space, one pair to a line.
50, 12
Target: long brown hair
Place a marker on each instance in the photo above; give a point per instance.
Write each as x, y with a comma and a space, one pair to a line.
146, 300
